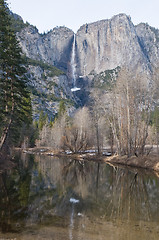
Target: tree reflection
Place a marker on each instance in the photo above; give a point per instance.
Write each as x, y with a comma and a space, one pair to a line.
39, 190
131, 197
14, 191
75, 169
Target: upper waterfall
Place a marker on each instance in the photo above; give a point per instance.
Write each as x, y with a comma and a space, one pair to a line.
73, 65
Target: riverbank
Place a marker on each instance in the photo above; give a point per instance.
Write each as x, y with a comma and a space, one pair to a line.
150, 162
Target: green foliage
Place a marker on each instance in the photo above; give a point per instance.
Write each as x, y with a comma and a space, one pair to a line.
155, 119
62, 108
24, 189
15, 102
17, 23
35, 92
43, 76
52, 84
52, 97
43, 118
45, 66
105, 80
43, 96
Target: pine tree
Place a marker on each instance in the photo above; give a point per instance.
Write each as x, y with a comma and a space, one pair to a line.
62, 108
15, 103
43, 119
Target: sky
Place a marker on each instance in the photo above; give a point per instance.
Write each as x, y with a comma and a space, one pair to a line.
47, 14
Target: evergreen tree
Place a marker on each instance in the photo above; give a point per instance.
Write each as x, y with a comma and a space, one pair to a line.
15, 103
43, 119
62, 108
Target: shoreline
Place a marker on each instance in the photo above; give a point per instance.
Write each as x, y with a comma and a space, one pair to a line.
150, 162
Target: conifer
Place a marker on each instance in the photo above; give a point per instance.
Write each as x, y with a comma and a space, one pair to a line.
15, 103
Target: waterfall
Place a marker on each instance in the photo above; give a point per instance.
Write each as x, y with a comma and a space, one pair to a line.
73, 65
73, 61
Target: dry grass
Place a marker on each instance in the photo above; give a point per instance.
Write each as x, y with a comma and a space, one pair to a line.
147, 162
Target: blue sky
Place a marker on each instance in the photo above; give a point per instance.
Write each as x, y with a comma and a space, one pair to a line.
47, 14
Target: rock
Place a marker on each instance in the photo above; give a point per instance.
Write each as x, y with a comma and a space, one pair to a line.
109, 44
149, 42
53, 48
101, 49
48, 90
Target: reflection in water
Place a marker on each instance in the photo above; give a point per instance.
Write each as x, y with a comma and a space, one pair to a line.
67, 199
73, 201
14, 192
71, 223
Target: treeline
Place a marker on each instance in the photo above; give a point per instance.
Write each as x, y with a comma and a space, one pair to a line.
124, 120
15, 102
53, 71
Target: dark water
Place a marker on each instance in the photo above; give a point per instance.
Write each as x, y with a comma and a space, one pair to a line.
50, 198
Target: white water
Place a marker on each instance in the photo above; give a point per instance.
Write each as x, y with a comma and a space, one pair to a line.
74, 89
73, 65
73, 200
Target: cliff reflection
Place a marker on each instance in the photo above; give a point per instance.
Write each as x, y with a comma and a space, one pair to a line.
46, 191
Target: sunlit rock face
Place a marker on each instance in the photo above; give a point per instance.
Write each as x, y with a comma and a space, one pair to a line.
99, 46
110, 43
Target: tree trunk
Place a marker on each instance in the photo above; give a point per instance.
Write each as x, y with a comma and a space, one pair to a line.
97, 137
5, 135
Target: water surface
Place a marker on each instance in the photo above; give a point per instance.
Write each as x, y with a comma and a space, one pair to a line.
50, 198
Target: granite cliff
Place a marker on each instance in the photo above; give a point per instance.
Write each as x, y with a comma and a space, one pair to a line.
101, 49
110, 43
53, 47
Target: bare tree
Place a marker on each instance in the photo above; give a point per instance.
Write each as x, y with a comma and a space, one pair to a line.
130, 113
97, 109
77, 136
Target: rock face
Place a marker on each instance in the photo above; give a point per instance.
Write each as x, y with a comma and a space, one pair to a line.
53, 47
108, 44
149, 42
101, 49
48, 86
100, 46
48, 90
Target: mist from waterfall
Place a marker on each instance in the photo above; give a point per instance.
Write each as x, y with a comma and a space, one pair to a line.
73, 65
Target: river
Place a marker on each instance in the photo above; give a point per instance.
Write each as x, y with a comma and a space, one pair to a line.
44, 197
